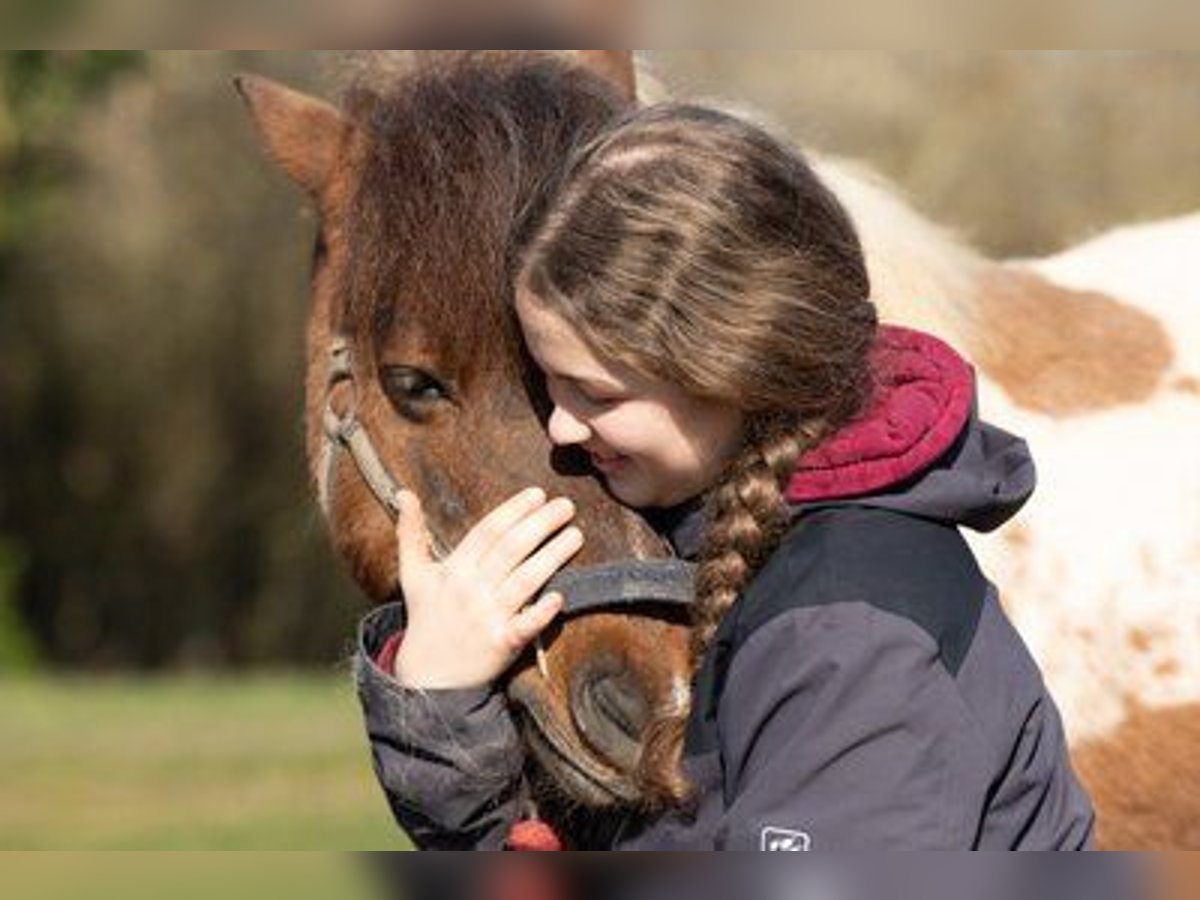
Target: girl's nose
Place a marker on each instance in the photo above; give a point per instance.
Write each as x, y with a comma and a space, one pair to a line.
564, 429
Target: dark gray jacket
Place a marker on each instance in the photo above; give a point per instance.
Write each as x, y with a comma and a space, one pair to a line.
866, 691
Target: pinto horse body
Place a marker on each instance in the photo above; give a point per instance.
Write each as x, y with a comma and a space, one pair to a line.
1092, 355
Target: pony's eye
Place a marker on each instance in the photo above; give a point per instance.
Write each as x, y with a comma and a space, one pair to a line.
414, 392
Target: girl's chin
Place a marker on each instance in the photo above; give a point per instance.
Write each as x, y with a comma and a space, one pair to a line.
632, 492
625, 489
643, 496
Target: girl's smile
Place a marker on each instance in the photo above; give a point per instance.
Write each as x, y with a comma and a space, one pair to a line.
655, 444
608, 464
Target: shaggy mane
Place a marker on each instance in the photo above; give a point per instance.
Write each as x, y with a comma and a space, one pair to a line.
461, 153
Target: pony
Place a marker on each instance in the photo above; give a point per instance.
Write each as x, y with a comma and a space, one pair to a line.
425, 188
1090, 354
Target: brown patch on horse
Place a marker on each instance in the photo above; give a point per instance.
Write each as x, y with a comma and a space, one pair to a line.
1144, 780
1174, 876
1187, 385
1017, 536
1141, 640
1063, 352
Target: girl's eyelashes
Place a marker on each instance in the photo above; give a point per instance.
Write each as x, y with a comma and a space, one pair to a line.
598, 401
593, 400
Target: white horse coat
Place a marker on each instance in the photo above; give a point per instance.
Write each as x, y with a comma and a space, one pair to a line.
1093, 355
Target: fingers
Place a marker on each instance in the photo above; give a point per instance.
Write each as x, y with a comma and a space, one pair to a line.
525, 536
500, 520
533, 620
411, 534
531, 576
525, 552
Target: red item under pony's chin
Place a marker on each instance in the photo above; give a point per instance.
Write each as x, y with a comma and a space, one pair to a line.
532, 834
527, 835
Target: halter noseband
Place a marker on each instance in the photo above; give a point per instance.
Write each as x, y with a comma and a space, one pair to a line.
604, 586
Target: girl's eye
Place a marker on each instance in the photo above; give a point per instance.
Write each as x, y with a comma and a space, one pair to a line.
600, 402
564, 387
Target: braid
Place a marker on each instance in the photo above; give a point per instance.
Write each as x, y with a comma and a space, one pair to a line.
748, 517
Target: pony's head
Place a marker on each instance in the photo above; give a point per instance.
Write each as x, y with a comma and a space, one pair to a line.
426, 189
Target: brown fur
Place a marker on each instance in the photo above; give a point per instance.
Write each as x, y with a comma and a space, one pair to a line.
1145, 780
1063, 352
424, 189
1174, 876
1141, 640
1187, 385
617, 66
1017, 536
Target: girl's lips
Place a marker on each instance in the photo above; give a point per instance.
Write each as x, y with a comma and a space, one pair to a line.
608, 463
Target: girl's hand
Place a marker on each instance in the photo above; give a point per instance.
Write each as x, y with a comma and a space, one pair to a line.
470, 616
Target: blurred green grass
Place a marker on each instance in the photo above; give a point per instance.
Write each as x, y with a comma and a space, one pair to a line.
186, 876
263, 763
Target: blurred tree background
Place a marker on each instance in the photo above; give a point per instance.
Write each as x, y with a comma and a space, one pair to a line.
153, 278
154, 511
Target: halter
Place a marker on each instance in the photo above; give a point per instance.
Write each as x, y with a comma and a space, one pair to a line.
605, 586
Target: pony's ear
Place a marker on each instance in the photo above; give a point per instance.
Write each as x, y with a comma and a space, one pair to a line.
301, 134
616, 66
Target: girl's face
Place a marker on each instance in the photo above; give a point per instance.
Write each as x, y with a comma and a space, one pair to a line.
655, 445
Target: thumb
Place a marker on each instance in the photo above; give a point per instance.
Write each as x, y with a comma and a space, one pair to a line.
412, 537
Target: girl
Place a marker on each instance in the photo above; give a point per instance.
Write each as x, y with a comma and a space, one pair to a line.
699, 305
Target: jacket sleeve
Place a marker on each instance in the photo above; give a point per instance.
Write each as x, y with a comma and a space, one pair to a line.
841, 729
449, 761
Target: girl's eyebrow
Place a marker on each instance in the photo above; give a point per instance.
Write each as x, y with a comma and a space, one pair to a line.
590, 382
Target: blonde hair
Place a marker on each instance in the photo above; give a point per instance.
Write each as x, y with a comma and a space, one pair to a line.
698, 249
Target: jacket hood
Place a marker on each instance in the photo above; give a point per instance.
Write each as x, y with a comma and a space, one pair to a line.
920, 447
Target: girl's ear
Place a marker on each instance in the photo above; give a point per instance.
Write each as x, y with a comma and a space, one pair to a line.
616, 66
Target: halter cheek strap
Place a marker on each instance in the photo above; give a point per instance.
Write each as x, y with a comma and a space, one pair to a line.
346, 431
613, 586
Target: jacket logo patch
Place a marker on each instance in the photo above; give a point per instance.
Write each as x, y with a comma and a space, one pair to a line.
781, 839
